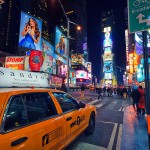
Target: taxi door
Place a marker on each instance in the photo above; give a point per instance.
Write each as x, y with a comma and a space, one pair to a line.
52, 125
71, 113
14, 132
78, 120
31, 122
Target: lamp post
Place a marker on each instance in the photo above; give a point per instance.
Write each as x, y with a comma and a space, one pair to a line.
68, 38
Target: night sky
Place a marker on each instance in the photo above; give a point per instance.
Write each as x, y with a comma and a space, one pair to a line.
94, 10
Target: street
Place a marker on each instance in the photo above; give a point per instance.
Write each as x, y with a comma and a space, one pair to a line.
109, 120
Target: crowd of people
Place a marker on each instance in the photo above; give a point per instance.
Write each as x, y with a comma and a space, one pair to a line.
136, 93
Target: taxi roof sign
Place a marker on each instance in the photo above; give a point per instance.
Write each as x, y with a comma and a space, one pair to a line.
19, 78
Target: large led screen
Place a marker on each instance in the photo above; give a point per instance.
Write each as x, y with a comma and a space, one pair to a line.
139, 42
30, 32
47, 48
81, 74
88, 66
60, 42
108, 67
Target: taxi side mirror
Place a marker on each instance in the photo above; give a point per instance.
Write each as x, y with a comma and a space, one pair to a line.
81, 105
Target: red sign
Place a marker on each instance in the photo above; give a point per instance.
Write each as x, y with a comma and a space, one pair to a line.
14, 62
55, 80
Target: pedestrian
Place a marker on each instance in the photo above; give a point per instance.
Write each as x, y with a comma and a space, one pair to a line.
141, 103
99, 92
63, 88
129, 91
124, 93
111, 91
108, 91
82, 90
104, 90
135, 97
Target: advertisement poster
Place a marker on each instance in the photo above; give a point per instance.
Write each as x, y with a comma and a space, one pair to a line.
30, 32
14, 62
76, 59
47, 48
63, 70
34, 61
107, 55
54, 66
108, 76
17, 78
88, 64
47, 65
108, 67
81, 74
60, 42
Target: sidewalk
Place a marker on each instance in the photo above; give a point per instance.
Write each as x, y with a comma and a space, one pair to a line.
134, 131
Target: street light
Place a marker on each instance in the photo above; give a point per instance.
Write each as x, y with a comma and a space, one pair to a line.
68, 38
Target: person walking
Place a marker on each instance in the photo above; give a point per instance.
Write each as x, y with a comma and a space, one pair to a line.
108, 91
129, 91
104, 90
100, 92
124, 93
63, 88
135, 97
141, 103
82, 90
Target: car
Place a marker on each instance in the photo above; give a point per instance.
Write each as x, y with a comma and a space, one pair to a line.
42, 118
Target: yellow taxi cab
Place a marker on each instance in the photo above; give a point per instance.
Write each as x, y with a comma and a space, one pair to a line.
42, 119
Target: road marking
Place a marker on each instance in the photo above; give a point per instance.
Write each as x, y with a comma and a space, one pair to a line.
111, 142
118, 146
105, 122
87, 146
93, 102
100, 105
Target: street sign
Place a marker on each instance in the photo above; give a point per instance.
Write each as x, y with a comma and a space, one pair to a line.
138, 15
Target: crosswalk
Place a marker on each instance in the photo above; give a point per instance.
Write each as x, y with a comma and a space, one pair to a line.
97, 103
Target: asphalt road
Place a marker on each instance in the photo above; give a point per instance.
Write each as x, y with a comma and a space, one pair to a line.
109, 120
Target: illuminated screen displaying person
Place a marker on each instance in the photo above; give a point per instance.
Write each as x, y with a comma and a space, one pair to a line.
61, 46
89, 67
31, 34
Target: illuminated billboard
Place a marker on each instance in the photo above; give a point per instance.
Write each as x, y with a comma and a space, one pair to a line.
14, 62
108, 67
47, 48
81, 74
85, 48
47, 65
139, 42
108, 76
107, 55
107, 40
30, 32
76, 59
63, 70
88, 66
60, 42
34, 61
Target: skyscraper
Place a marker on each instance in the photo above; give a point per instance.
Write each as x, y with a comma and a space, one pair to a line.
76, 12
107, 21
9, 26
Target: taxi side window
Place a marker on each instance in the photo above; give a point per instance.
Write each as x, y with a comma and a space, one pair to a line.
67, 103
16, 115
39, 106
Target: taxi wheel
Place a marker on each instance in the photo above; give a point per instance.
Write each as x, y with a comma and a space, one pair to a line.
91, 127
